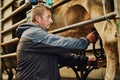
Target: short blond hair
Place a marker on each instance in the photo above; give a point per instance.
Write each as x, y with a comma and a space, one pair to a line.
39, 10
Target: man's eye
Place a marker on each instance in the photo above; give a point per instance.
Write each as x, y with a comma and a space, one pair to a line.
48, 17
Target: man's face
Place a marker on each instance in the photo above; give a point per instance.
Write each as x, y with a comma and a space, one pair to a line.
46, 20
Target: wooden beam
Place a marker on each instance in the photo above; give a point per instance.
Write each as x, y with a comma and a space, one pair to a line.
0, 45
8, 55
13, 26
4, 7
16, 11
10, 42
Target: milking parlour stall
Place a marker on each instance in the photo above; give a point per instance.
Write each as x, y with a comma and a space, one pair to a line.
72, 18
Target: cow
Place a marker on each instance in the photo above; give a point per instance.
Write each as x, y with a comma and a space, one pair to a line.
81, 10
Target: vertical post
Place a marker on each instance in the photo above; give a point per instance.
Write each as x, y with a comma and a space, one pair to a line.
117, 10
0, 43
118, 39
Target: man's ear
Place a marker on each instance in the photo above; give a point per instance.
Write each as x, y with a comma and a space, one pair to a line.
37, 18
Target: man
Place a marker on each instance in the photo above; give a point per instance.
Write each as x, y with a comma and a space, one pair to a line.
39, 53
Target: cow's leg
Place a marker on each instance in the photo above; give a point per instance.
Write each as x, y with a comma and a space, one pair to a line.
110, 49
107, 32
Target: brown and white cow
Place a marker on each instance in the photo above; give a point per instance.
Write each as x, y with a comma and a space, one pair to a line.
81, 10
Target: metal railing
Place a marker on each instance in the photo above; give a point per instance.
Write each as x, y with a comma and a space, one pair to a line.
111, 15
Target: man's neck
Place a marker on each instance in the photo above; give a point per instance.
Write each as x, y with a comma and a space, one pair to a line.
35, 23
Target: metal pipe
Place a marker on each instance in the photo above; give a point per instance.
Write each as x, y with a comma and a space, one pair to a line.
104, 10
8, 55
94, 20
59, 4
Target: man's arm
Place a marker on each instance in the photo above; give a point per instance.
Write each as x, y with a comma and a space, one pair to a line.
50, 43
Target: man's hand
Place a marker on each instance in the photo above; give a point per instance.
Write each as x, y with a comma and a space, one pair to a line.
92, 37
92, 61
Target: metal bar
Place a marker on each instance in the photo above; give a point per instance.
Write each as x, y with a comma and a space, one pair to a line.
14, 26
116, 8
10, 42
8, 55
104, 10
16, 11
94, 20
60, 3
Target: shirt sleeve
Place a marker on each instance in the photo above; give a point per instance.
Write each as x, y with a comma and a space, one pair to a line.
44, 39
60, 41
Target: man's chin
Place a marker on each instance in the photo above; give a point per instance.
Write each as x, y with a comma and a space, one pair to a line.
47, 28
